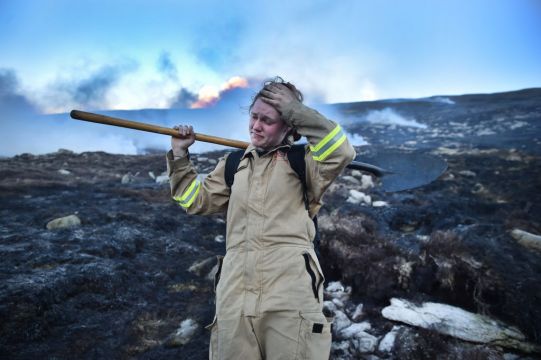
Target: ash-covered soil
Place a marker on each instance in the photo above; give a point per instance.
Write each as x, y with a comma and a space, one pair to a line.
120, 284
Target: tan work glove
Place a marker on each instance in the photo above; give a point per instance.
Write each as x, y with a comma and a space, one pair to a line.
282, 99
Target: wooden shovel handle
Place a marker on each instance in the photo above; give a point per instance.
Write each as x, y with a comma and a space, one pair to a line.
108, 120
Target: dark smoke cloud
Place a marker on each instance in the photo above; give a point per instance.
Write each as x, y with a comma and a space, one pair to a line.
90, 91
93, 89
11, 101
166, 66
184, 99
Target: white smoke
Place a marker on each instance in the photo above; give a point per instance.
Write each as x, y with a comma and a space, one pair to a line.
356, 139
330, 112
388, 116
444, 100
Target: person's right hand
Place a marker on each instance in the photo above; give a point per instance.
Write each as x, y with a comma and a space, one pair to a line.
186, 138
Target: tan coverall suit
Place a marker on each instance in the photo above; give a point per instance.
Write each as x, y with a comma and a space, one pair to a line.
269, 293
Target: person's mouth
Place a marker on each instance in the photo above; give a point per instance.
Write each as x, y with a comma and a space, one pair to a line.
256, 135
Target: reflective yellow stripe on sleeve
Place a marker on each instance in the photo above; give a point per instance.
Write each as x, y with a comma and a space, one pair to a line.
329, 143
187, 198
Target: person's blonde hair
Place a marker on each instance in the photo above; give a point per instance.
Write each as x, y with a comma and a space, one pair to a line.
293, 135
273, 81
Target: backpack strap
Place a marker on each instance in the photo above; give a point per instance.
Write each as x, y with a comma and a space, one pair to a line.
295, 155
231, 165
298, 164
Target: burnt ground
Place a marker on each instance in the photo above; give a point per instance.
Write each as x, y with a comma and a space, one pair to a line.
118, 286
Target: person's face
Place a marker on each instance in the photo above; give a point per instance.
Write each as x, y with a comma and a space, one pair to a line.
267, 129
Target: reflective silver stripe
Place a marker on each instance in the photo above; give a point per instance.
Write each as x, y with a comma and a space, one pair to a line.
189, 195
330, 145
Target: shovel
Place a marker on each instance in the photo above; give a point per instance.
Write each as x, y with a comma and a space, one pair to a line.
397, 171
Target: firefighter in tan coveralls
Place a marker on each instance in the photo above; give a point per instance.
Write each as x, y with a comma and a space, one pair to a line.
266, 304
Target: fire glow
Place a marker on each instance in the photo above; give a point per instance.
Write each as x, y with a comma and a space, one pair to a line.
209, 95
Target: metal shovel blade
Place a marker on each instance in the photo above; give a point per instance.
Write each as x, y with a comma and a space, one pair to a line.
404, 171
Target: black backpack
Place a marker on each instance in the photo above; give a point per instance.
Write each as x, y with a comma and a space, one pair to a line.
295, 155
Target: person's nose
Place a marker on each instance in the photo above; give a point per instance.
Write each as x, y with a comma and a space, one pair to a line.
256, 124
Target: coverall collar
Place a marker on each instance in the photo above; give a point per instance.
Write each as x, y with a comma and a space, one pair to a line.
251, 150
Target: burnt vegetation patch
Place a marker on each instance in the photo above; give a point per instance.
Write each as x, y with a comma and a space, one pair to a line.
449, 243
119, 284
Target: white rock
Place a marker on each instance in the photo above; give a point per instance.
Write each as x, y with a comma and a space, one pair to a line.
478, 188
329, 305
380, 203
219, 239
202, 158
448, 177
456, 322
339, 303
467, 173
64, 222
355, 330
485, 131
358, 313
184, 333
365, 343
334, 286
357, 173
335, 290
64, 172
387, 343
423, 238
356, 197
367, 182
162, 179
527, 239
513, 157
151, 174
517, 124
351, 179
404, 272
212, 273
212, 161
340, 321
199, 267
127, 178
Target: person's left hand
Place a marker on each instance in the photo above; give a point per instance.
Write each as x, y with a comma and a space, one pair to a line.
279, 97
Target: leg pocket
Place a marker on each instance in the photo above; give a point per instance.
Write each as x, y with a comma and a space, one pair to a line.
316, 274
219, 262
314, 336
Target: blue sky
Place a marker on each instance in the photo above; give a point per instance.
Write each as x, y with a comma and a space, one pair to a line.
61, 54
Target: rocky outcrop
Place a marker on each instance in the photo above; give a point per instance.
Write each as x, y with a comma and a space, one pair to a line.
64, 222
527, 239
184, 334
456, 322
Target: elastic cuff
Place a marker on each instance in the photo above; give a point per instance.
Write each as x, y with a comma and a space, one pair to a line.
172, 157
